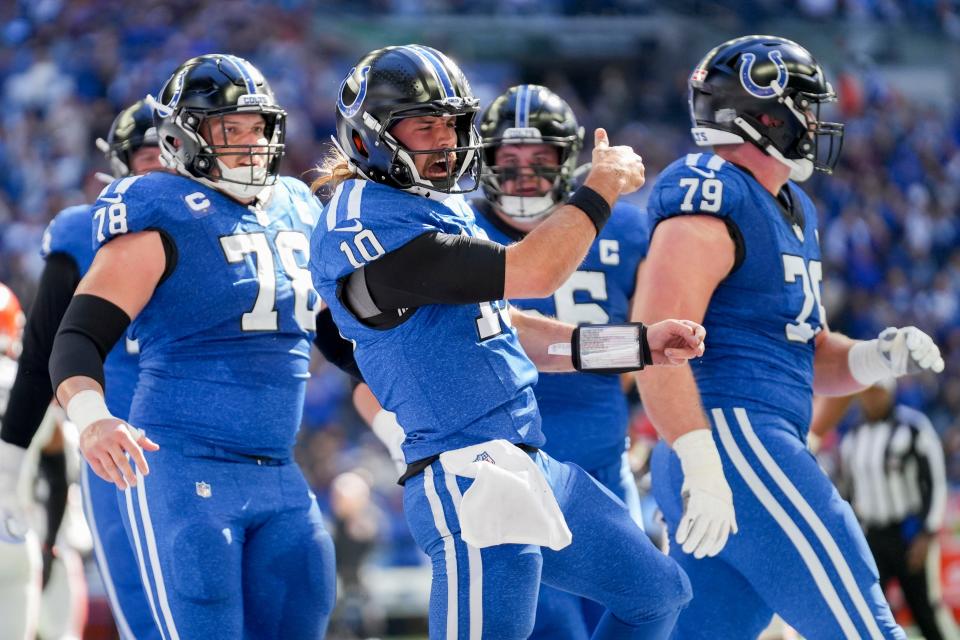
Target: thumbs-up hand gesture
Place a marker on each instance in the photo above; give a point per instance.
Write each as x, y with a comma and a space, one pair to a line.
616, 170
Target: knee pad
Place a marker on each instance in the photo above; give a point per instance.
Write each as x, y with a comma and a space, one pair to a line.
205, 567
672, 594
681, 592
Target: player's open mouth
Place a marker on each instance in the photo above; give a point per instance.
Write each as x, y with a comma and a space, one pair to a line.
438, 169
528, 192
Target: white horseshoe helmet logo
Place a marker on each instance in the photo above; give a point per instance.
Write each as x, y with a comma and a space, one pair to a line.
776, 86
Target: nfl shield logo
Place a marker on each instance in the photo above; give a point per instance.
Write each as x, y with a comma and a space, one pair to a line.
484, 457
203, 490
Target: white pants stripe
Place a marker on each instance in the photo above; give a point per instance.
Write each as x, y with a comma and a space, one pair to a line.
154, 556
138, 547
813, 520
105, 574
792, 531
474, 566
450, 552
153, 568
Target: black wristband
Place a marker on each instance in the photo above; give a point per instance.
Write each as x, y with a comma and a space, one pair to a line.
645, 346
592, 204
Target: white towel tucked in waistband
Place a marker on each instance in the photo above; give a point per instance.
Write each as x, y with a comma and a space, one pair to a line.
509, 501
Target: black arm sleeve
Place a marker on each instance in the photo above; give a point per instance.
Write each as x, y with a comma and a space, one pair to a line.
437, 268
31, 391
90, 328
337, 350
53, 466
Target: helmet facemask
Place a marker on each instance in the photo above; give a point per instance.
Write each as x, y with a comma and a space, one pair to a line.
528, 208
193, 155
802, 141
193, 136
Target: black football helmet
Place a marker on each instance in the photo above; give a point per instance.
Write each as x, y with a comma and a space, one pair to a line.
745, 78
393, 83
132, 129
529, 114
206, 87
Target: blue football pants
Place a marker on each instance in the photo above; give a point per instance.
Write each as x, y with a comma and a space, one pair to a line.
799, 552
492, 592
116, 559
565, 616
228, 548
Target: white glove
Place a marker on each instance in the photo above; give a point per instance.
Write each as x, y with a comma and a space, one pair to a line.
894, 353
390, 433
13, 519
708, 516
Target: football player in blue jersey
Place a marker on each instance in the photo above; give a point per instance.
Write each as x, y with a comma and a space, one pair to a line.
209, 263
415, 284
755, 283
131, 149
531, 142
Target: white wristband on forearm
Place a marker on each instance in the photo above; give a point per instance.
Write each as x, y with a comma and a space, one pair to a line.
86, 407
867, 365
698, 454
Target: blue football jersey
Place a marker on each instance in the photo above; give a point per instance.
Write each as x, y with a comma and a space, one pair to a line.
454, 374
69, 233
585, 414
225, 339
763, 317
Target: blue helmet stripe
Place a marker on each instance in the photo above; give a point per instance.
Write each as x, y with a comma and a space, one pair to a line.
524, 108
445, 83
241, 66
517, 117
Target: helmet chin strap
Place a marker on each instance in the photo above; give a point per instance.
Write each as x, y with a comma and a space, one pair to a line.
800, 170
526, 208
236, 189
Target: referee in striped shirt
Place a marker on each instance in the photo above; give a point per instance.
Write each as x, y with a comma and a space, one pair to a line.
892, 471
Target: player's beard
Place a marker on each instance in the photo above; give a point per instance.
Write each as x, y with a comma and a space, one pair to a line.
440, 167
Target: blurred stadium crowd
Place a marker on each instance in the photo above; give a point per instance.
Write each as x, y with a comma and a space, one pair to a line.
889, 230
